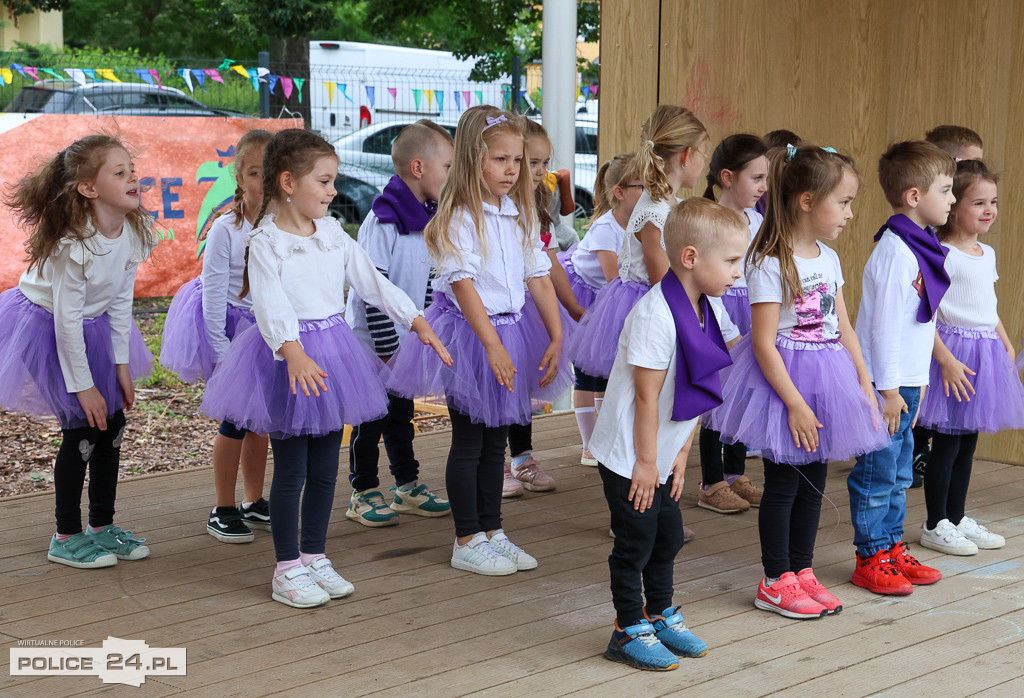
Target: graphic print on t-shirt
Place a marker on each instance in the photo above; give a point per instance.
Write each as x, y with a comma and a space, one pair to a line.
817, 303
919, 285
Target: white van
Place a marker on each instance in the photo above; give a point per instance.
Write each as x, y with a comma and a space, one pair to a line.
355, 85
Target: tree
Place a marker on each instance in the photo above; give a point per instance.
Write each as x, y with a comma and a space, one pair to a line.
27, 7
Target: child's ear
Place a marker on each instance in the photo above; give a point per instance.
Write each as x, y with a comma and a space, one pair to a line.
911, 197
87, 190
806, 201
688, 257
286, 182
727, 178
416, 168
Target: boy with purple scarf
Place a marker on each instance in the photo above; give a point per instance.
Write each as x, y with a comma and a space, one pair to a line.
392, 234
904, 280
664, 377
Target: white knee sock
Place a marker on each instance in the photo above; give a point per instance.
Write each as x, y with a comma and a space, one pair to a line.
598, 401
585, 418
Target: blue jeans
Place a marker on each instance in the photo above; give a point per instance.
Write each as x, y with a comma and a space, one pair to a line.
878, 484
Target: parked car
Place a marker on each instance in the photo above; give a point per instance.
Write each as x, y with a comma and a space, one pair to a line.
369, 149
357, 187
135, 99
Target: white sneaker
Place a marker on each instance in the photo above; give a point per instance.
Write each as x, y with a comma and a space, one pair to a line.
478, 556
323, 573
979, 535
946, 538
523, 560
296, 588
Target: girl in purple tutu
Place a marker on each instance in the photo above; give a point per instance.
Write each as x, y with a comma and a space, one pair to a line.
485, 241
70, 346
592, 265
974, 386
300, 374
204, 317
799, 390
739, 169
671, 157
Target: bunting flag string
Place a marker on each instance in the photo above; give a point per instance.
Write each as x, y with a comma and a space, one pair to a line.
370, 95
342, 86
393, 91
331, 86
440, 99
458, 100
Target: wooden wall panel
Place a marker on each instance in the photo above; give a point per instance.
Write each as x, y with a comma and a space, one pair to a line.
853, 74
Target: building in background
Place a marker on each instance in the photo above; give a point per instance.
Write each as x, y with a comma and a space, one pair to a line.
37, 28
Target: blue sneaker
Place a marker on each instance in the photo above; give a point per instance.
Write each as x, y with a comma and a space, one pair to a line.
79, 551
121, 543
673, 633
638, 647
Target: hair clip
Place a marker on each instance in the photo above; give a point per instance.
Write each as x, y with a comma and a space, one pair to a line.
829, 149
959, 159
790, 151
494, 121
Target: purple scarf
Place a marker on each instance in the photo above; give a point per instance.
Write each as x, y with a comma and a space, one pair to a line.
931, 259
701, 353
398, 205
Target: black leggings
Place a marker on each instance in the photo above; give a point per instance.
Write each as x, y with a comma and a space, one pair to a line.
520, 438
712, 467
101, 450
788, 519
474, 474
947, 476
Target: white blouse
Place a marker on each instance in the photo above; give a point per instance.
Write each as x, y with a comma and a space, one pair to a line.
294, 279
499, 267
631, 259
223, 264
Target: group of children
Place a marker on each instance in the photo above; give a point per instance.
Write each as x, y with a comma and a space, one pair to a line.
730, 312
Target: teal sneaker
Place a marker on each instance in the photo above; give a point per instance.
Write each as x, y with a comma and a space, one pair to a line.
638, 647
369, 508
413, 498
121, 543
79, 551
673, 633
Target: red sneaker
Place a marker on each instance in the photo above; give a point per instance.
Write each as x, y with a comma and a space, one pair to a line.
878, 574
910, 568
810, 584
787, 598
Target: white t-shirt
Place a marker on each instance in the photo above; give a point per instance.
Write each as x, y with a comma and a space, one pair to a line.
223, 264
631, 258
813, 317
970, 302
648, 340
897, 348
754, 220
605, 235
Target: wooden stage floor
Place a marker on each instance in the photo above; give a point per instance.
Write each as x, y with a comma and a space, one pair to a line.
416, 627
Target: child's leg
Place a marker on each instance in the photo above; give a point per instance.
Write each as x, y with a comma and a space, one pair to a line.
520, 440
635, 535
960, 479
69, 476
525, 469
940, 468
106, 458
803, 521
364, 454
254, 466
290, 461
735, 460
227, 451
462, 471
781, 486
668, 541
893, 522
398, 437
711, 469
318, 497
489, 477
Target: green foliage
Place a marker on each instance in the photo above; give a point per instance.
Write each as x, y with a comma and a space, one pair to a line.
25, 7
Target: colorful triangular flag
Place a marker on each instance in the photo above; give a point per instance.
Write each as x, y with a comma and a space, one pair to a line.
417, 95
393, 91
479, 96
214, 75
331, 86
187, 77
286, 85
370, 94
34, 72
200, 77
76, 74
156, 76
440, 99
107, 74
430, 98
458, 100
342, 86
298, 86
272, 81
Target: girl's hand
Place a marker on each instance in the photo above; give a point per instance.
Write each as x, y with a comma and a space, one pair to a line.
124, 379
869, 390
426, 335
501, 364
576, 311
895, 406
679, 472
305, 372
549, 361
645, 481
804, 425
954, 378
94, 406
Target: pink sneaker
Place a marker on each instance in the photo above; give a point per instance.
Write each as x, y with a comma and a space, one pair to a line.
532, 477
810, 584
510, 487
787, 598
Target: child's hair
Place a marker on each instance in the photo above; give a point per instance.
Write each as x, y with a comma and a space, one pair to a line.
292, 150
912, 165
478, 128
541, 195
700, 223
967, 173
780, 138
808, 170
48, 202
417, 140
668, 130
953, 139
734, 153
614, 173
249, 143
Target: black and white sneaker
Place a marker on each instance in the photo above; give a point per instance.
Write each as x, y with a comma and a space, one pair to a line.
226, 525
257, 515
920, 465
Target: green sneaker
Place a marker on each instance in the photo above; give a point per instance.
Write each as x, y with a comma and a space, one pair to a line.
79, 551
413, 498
369, 508
122, 543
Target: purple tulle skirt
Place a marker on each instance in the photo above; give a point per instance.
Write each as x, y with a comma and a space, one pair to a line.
584, 292
737, 304
752, 412
30, 377
250, 389
593, 345
998, 402
469, 384
186, 348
